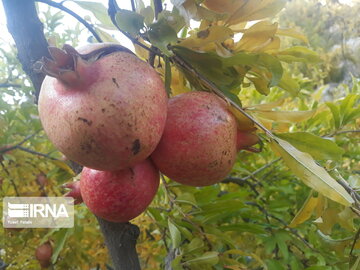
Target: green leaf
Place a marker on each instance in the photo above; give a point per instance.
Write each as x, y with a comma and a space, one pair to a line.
161, 34
273, 65
316, 177
129, 21
299, 54
174, 234
240, 58
195, 244
336, 114
176, 263
319, 148
289, 84
148, 14
210, 65
210, 258
99, 11
274, 265
60, 238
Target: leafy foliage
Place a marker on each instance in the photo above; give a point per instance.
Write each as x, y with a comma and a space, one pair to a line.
261, 216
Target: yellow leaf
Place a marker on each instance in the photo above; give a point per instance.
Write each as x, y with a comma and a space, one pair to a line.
244, 123
292, 33
268, 106
346, 219
214, 33
314, 176
257, 37
320, 207
140, 51
285, 116
64, 166
305, 212
255, 10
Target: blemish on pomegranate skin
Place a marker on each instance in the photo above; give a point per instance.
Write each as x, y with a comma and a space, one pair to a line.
88, 122
136, 147
115, 82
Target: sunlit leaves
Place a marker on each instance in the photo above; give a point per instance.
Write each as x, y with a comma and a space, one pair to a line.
161, 34
129, 21
317, 147
316, 177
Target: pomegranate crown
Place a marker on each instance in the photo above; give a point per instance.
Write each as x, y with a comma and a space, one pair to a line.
65, 62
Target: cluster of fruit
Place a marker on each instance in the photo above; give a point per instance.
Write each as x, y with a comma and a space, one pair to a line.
107, 110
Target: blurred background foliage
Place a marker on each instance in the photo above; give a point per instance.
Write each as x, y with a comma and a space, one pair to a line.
261, 217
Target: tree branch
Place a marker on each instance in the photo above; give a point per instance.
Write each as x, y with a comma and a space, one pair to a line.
120, 238
77, 17
7, 85
27, 30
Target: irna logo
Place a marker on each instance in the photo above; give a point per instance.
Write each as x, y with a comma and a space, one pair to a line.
38, 212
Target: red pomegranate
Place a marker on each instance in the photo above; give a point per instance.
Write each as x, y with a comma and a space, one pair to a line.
74, 192
119, 196
43, 254
198, 146
102, 106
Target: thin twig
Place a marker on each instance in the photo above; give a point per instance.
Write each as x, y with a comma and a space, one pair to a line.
292, 230
7, 149
133, 7
355, 240
158, 7
76, 16
35, 153
7, 85
238, 180
346, 131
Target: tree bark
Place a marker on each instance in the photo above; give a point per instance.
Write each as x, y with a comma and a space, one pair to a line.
27, 30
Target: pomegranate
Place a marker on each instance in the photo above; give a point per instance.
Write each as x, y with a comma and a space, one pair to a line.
74, 191
119, 196
198, 146
101, 106
43, 254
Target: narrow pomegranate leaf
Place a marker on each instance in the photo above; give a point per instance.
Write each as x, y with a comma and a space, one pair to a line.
99, 11
174, 234
285, 116
314, 176
306, 211
210, 258
319, 148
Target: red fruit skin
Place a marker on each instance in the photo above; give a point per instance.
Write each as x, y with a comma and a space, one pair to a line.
198, 146
43, 254
245, 140
74, 192
119, 196
113, 120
